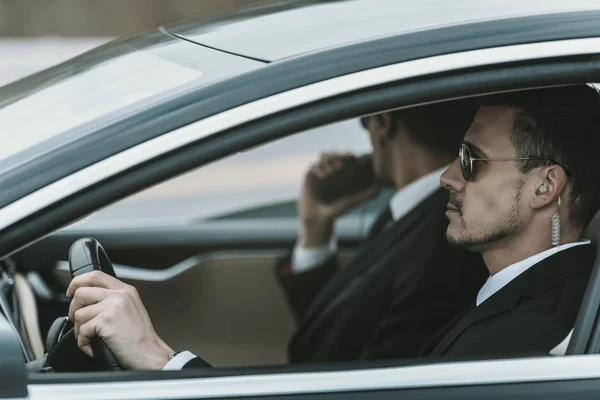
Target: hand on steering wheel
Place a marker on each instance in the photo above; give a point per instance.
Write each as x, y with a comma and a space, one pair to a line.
110, 321
105, 307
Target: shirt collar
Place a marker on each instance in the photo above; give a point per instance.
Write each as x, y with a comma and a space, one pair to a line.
505, 276
407, 198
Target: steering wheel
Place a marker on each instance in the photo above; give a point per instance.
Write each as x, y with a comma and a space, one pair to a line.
86, 255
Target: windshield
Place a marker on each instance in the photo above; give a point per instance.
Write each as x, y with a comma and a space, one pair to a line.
104, 82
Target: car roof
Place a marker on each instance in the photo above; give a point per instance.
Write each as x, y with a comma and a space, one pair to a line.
290, 28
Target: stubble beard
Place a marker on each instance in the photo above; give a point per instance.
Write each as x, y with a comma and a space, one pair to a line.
486, 236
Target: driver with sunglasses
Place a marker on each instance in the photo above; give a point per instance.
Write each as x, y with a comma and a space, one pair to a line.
521, 192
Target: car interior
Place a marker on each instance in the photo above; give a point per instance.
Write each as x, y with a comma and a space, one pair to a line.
203, 242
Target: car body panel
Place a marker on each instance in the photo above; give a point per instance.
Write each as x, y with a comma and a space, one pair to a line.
338, 384
292, 28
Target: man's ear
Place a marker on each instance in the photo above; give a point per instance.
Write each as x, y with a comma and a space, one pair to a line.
384, 124
552, 184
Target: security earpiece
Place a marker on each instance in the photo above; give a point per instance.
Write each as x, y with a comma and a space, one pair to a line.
543, 189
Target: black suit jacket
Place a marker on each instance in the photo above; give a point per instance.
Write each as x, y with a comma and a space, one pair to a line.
529, 316
405, 283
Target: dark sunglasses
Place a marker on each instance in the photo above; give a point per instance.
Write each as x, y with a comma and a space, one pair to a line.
467, 160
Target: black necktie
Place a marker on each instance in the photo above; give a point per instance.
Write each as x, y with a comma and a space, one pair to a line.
380, 223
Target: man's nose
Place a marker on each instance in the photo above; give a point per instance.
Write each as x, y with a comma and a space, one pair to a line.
452, 179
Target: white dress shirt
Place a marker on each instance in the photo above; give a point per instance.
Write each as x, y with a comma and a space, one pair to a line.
504, 277
561, 348
403, 201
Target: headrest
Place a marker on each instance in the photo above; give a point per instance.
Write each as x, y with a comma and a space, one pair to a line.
592, 232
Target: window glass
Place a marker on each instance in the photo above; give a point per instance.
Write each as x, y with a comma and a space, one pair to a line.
39, 113
261, 182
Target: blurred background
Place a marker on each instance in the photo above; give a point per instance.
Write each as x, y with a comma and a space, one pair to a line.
35, 34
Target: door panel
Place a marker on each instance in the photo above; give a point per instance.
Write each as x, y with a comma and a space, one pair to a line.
226, 306
230, 309
529, 378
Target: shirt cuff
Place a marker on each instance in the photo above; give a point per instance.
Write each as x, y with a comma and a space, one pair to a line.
178, 362
306, 259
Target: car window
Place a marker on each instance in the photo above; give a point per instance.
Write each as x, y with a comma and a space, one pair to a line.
40, 112
261, 182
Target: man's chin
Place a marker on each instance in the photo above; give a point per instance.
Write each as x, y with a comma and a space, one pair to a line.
452, 239
465, 243
453, 233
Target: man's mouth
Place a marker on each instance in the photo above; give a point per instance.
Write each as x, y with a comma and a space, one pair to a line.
451, 207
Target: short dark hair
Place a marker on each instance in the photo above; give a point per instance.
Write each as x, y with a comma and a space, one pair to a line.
561, 123
440, 126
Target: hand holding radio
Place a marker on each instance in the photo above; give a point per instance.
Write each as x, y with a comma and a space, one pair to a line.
334, 185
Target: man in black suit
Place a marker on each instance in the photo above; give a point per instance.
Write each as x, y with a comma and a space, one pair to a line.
524, 188
521, 192
406, 280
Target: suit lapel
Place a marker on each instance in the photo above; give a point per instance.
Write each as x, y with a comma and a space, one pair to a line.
435, 340
371, 252
493, 306
530, 283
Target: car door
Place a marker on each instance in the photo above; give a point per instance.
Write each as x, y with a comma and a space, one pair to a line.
384, 88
